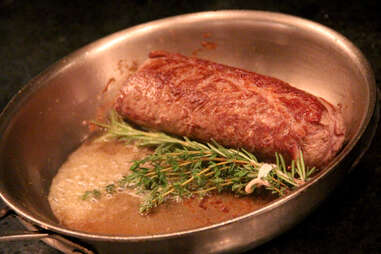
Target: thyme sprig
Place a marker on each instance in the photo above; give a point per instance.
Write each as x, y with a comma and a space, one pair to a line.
180, 168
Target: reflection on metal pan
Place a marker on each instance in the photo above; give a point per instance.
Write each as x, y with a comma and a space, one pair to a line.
54, 105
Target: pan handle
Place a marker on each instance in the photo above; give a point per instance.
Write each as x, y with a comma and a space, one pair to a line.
54, 240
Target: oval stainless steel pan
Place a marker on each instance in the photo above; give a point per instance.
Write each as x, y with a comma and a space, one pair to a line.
44, 122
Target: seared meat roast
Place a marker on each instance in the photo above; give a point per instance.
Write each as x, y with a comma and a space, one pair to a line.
203, 100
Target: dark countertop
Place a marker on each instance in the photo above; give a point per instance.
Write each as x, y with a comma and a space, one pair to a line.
35, 34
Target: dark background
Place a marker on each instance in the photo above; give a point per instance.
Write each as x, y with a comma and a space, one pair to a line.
35, 34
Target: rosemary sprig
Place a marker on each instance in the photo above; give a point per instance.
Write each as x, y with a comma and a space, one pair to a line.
180, 167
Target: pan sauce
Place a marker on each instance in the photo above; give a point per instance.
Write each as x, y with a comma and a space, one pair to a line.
96, 164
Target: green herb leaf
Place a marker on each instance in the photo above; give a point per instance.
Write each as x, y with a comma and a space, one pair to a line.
180, 167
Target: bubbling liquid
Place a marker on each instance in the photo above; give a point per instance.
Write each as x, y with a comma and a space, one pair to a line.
94, 165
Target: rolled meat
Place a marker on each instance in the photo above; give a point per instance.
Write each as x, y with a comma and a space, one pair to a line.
203, 100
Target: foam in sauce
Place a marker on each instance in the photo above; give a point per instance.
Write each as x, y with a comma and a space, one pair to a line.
97, 164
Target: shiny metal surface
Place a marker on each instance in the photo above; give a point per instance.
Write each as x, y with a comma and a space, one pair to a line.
58, 242
54, 240
45, 121
12, 236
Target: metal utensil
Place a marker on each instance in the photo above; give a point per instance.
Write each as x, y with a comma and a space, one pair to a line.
44, 122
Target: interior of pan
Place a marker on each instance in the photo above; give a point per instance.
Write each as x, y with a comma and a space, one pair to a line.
47, 119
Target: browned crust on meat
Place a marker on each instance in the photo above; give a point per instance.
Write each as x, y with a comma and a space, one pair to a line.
204, 100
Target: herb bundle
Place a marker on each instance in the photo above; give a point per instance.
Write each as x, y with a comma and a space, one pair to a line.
180, 168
